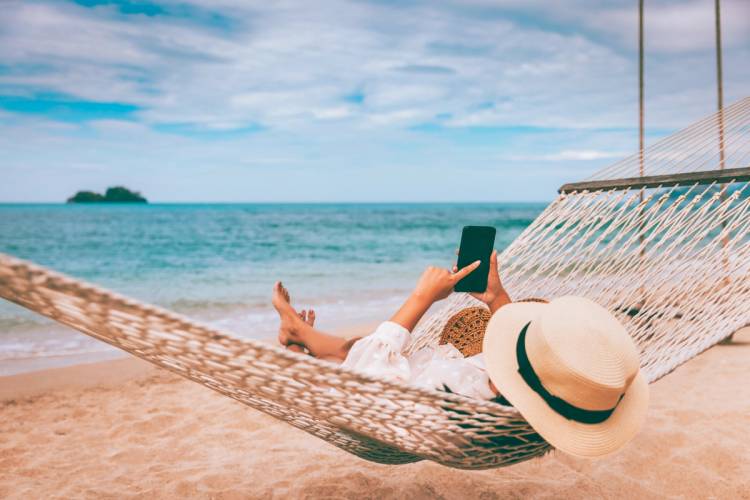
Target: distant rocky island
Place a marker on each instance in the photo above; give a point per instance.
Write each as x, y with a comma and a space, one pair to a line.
117, 194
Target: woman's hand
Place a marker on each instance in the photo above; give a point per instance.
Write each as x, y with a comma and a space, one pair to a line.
437, 283
494, 295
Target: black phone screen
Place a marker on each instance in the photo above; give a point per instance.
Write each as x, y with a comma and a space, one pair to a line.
476, 244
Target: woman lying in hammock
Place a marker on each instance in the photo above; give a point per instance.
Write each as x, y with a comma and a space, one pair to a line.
568, 366
380, 354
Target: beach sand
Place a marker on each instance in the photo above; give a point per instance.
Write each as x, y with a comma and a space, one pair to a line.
125, 429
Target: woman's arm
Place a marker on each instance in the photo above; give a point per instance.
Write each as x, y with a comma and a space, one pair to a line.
435, 284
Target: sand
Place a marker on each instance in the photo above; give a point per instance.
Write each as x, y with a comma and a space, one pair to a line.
125, 429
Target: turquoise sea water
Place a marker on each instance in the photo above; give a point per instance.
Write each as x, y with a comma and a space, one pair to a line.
352, 262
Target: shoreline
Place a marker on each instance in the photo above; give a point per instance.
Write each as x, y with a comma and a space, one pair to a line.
99, 374
84, 349
86, 369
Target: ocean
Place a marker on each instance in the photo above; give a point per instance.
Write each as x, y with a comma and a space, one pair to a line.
352, 263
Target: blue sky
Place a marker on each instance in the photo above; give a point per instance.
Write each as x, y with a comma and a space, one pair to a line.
223, 100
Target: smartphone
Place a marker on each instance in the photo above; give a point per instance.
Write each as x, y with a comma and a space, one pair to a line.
477, 243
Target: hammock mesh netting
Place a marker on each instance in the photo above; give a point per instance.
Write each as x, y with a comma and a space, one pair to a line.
670, 258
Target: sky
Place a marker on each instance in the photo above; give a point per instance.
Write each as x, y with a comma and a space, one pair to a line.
278, 101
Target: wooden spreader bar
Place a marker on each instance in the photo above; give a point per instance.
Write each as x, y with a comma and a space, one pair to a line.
687, 179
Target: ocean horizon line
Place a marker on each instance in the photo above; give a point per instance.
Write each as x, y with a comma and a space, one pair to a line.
313, 202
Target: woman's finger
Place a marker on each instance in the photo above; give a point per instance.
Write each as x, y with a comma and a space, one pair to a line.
458, 276
493, 262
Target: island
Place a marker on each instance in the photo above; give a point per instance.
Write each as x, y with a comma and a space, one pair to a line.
116, 194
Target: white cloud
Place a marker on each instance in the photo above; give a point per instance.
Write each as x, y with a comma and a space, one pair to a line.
396, 117
570, 155
335, 113
343, 82
285, 62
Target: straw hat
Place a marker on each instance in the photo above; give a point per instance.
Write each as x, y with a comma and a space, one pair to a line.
572, 371
465, 329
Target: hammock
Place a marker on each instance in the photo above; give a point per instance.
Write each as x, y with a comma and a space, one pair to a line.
667, 252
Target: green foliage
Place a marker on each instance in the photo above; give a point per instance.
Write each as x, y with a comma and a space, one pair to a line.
119, 194
116, 194
86, 197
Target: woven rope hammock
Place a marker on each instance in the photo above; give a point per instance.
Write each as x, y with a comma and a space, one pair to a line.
668, 253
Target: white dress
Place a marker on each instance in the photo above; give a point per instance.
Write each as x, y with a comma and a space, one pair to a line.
380, 354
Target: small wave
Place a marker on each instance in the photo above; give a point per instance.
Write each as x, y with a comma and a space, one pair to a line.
19, 350
214, 305
20, 323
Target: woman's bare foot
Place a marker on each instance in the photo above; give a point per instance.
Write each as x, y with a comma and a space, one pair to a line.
308, 316
296, 329
290, 319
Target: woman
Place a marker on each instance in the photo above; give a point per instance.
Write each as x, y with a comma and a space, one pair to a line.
380, 354
568, 365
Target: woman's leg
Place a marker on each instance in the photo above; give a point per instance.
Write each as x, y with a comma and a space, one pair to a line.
435, 284
295, 330
308, 316
297, 333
